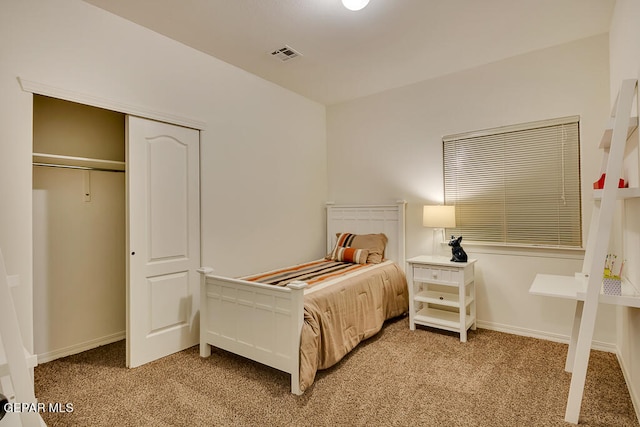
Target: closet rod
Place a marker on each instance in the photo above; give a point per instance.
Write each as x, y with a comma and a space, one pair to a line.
86, 168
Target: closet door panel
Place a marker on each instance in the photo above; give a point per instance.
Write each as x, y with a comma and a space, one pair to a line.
168, 193
163, 229
164, 290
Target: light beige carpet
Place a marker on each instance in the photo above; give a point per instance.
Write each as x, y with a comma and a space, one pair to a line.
397, 378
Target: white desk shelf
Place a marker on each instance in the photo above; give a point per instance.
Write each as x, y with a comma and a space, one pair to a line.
574, 288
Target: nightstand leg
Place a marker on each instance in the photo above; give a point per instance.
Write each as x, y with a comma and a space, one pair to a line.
463, 312
412, 305
412, 323
472, 309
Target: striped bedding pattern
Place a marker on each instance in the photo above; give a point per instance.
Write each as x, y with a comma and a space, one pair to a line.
312, 272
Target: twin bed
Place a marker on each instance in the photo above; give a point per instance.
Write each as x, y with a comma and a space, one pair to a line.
304, 318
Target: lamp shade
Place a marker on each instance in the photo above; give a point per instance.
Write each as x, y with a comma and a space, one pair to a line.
439, 216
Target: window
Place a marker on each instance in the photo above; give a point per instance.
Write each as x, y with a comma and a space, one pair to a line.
516, 185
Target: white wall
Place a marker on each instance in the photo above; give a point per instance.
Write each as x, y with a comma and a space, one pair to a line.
79, 261
263, 150
624, 46
389, 146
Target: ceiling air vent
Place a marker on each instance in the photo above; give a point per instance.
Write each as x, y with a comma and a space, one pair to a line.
286, 53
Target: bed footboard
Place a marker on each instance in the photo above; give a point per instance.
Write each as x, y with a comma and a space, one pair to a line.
257, 321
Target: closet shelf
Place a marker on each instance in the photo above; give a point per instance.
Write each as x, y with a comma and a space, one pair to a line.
45, 159
605, 142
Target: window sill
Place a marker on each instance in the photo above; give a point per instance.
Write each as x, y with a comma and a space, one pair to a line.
528, 251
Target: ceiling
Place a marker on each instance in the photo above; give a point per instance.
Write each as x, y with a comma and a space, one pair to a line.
388, 44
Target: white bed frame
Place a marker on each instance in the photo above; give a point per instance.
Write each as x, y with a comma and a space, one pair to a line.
263, 322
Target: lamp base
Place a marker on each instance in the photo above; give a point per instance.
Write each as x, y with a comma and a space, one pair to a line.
438, 239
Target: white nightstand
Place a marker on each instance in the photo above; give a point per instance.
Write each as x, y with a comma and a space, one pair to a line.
442, 294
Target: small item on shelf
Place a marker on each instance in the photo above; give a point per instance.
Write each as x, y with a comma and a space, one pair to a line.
612, 283
599, 184
609, 263
458, 254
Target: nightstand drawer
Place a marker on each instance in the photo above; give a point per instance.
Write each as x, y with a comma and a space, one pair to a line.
437, 274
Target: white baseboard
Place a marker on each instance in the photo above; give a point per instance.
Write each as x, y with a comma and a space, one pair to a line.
596, 345
80, 347
635, 394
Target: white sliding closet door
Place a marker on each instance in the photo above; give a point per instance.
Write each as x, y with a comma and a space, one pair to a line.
163, 229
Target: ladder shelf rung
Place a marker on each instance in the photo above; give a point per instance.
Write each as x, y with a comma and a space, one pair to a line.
622, 193
605, 142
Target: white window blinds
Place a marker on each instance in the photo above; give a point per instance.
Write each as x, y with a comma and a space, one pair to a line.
516, 185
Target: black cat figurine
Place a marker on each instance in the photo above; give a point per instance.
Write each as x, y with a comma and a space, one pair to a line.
459, 255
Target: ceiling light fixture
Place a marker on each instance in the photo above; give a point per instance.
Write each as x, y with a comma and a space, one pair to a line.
355, 4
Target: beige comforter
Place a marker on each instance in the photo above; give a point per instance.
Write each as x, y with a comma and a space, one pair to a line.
343, 312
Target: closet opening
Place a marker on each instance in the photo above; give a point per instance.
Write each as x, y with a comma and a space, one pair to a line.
79, 235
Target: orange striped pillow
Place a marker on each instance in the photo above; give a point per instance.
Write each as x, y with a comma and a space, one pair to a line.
353, 255
374, 243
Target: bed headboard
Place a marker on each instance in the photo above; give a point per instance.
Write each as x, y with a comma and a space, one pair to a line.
367, 219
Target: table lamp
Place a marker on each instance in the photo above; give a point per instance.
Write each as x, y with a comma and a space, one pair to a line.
438, 217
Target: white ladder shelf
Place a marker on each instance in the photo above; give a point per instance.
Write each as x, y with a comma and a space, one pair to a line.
15, 361
585, 287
